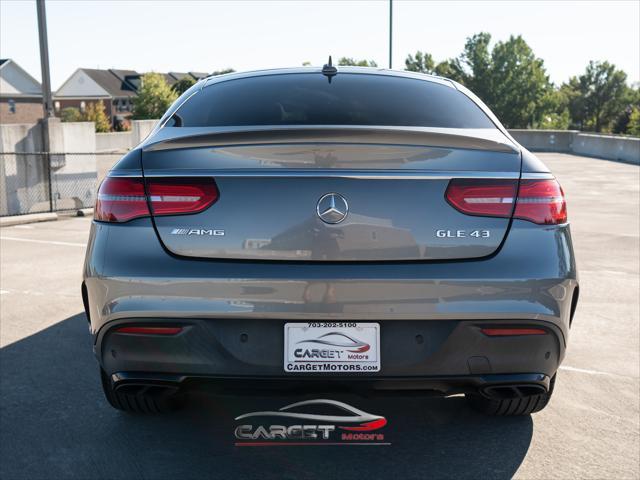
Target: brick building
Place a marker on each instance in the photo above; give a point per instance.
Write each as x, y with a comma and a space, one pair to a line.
20, 94
115, 88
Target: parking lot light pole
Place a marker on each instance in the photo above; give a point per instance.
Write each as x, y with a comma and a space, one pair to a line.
47, 103
390, 33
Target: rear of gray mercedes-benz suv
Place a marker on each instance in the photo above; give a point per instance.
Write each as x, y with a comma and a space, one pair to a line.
364, 230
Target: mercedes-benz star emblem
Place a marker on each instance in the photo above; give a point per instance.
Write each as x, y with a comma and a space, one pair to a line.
332, 208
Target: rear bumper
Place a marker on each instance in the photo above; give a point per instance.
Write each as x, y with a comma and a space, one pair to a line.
130, 279
409, 350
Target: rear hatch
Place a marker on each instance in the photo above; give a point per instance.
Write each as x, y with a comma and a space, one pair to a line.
328, 194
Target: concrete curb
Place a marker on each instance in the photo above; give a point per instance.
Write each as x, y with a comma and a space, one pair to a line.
30, 218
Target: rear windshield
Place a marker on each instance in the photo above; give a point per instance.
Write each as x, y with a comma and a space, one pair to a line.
350, 99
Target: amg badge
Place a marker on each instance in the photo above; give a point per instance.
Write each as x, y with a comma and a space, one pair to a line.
213, 232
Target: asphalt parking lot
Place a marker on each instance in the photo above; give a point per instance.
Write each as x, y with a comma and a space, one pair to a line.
55, 423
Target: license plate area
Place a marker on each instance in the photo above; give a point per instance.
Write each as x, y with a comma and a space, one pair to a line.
331, 347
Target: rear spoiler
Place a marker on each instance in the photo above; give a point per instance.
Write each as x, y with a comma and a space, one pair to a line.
170, 138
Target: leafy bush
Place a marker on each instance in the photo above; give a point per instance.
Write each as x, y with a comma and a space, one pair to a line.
71, 114
95, 112
154, 97
182, 85
633, 127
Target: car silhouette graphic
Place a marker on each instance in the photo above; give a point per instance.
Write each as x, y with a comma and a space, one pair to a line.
334, 339
356, 420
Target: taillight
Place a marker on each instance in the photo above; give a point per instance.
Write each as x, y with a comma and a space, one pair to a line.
541, 201
121, 199
486, 198
177, 196
538, 201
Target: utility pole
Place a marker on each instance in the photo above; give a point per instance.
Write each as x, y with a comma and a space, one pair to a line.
390, 33
47, 103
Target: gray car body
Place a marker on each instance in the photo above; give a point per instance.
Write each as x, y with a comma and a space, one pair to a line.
444, 288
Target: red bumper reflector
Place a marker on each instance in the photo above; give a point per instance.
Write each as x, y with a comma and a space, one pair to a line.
150, 330
509, 332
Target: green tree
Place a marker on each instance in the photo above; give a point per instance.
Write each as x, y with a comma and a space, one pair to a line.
633, 127
154, 97
475, 67
555, 112
632, 101
422, 62
346, 61
70, 114
95, 112
597, 96
509, 78
450, 69
182, 85
554, 121
518, 83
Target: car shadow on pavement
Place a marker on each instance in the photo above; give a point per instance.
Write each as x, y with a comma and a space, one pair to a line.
55, 423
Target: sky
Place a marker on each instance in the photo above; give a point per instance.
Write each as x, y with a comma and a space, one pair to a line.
246, 35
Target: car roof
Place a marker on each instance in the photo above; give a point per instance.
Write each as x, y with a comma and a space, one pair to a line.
353, 70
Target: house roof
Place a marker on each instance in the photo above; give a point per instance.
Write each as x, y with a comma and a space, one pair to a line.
199, 75
169, 78
15, 81
178, 75
118, 83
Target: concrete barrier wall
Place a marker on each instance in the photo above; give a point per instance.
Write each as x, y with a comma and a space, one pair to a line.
610, 147
21, 137
545, 140
140, 129
113, 141
63, 137
603, 146
123, 141
66, 179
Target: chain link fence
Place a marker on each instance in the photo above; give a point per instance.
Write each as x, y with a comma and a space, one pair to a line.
50, 182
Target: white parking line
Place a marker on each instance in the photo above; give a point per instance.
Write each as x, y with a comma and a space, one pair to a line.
591, 372
50, 242
37, 293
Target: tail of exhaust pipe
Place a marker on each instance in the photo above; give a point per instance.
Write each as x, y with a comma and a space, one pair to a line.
500, 392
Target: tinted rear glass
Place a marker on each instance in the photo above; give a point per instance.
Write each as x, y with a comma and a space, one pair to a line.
350, 99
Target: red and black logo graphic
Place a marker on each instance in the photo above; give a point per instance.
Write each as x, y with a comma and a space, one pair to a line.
301, 423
